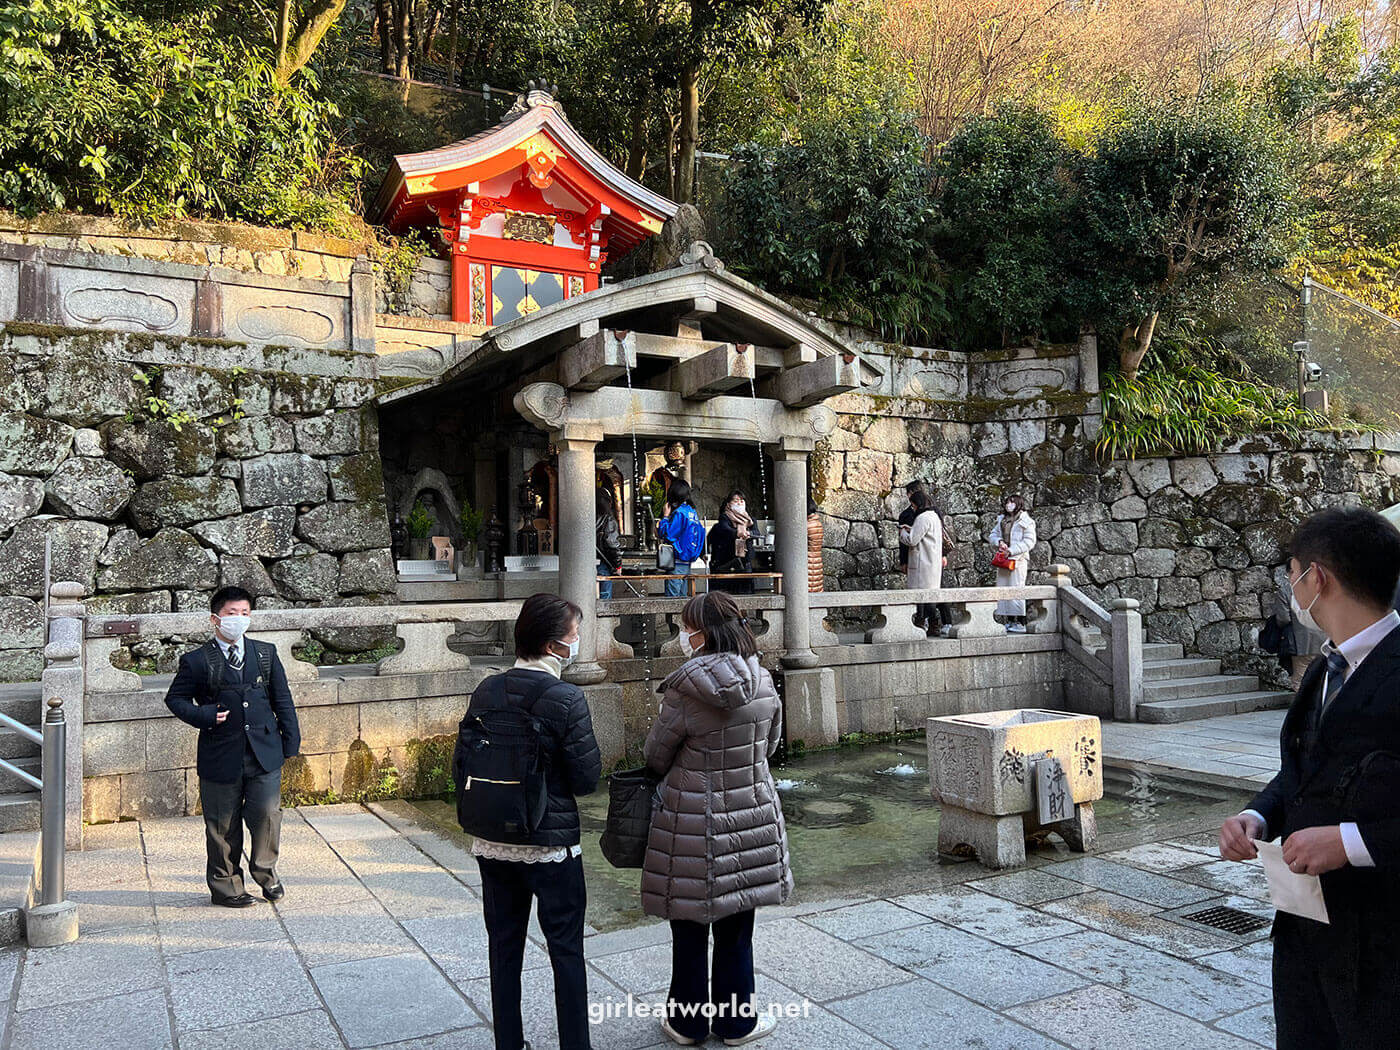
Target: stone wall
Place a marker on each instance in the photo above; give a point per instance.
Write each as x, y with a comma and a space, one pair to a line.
1196, 539
249, 249
162, 469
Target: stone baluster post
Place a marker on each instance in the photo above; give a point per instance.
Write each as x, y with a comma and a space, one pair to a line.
575, 543
1060, 578
790, 494
63, 681
1127, 658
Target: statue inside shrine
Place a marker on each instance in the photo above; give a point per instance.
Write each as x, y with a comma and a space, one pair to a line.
671, 469
493, 543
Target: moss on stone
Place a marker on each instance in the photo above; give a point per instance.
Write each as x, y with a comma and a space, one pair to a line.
431, 774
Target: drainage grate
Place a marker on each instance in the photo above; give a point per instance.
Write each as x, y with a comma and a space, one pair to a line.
1231, 920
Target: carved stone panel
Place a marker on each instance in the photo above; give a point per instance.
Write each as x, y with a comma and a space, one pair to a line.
263, 315
128, 302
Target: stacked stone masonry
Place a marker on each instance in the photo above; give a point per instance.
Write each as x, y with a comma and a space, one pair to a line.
162, 469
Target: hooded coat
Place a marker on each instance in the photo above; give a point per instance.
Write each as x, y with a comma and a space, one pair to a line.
718, 844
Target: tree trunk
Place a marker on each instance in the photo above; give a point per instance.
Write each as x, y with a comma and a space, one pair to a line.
384, 16
284, 30
637, 146
452, 45
689, 132
403, 44
1134, 344
296, 45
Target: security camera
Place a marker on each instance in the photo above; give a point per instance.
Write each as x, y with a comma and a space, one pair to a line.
1314, 372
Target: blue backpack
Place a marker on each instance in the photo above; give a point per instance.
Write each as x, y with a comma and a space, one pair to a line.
689, 541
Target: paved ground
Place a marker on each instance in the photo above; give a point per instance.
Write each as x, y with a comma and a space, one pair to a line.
380, 942
1241, 750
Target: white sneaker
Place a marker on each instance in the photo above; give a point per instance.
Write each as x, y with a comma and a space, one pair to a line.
676, 1037
1015, 628
946, 631
766, 1023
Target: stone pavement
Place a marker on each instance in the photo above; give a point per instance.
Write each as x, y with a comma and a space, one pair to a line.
1234, 750
380, 942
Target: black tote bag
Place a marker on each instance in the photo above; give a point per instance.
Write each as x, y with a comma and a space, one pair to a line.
631, 795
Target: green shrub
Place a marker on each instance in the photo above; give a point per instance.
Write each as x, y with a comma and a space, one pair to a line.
420, 521
1191, 410
104, 110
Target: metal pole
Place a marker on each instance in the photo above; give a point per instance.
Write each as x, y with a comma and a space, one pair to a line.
53, 802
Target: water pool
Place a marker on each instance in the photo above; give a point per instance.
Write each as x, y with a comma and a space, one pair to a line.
861, 823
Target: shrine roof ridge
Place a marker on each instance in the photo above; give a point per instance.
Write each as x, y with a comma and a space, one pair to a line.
540, 112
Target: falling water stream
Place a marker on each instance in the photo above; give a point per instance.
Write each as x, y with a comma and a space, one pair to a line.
646, 622
762, 470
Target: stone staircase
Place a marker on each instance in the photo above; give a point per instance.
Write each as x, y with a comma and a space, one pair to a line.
19, 803
1181, 688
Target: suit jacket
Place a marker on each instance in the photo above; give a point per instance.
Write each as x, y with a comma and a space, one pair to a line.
260, 714
1350, 774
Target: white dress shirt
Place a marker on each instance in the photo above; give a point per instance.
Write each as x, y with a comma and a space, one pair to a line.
229, 648
1354, 650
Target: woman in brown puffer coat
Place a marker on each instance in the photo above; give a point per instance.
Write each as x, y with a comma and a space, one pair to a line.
718, 847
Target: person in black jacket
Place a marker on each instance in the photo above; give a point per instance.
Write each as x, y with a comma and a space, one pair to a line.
544, 865
235, 692
608, 539
729, 545
1335, 802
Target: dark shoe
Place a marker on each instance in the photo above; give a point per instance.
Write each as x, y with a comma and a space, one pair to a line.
275, 892
243, 900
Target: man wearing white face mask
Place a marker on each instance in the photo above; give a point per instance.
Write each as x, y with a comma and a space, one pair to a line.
235, 692
524, 750
1335, 802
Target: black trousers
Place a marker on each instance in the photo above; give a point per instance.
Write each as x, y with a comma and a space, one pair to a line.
255, 799
507, 888
727, 987
1337, 986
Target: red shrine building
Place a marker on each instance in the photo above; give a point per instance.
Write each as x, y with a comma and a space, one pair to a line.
528, 210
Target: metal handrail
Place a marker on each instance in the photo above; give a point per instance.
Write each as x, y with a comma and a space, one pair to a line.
28, 778
21, 728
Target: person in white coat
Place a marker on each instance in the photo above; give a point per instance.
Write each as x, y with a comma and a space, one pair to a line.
1015, 535
924, 538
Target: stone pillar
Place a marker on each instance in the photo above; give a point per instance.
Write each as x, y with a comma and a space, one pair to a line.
790, 496
1126, 639
575, 543
362, 306
62, 680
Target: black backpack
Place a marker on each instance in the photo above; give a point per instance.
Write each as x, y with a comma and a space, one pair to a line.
215, 663
499, 765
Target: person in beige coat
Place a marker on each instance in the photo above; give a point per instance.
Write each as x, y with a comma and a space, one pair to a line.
718, 846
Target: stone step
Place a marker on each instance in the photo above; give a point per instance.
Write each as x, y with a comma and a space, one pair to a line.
1162, 651
13, 745
1190, 667
19, 811
31, 764
1188, 709
1206, 685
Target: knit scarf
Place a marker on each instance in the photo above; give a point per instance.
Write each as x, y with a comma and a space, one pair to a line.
741, 522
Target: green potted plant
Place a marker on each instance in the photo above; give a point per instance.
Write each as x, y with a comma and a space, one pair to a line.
420, 531
471, 522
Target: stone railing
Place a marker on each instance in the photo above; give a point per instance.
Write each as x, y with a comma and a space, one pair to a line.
973, 610
423, 629
620, 619
1107, 642
81, 289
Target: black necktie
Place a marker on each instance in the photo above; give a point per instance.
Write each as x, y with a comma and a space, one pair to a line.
1336, 676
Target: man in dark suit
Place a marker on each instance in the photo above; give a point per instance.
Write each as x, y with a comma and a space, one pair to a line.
234, 691
1336, 799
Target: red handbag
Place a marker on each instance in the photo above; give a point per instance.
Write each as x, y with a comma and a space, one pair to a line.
1001, 560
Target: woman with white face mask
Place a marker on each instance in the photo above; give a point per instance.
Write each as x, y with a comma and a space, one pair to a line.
718, 846
1012, 539
1303, 643
729, 545
524, 751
